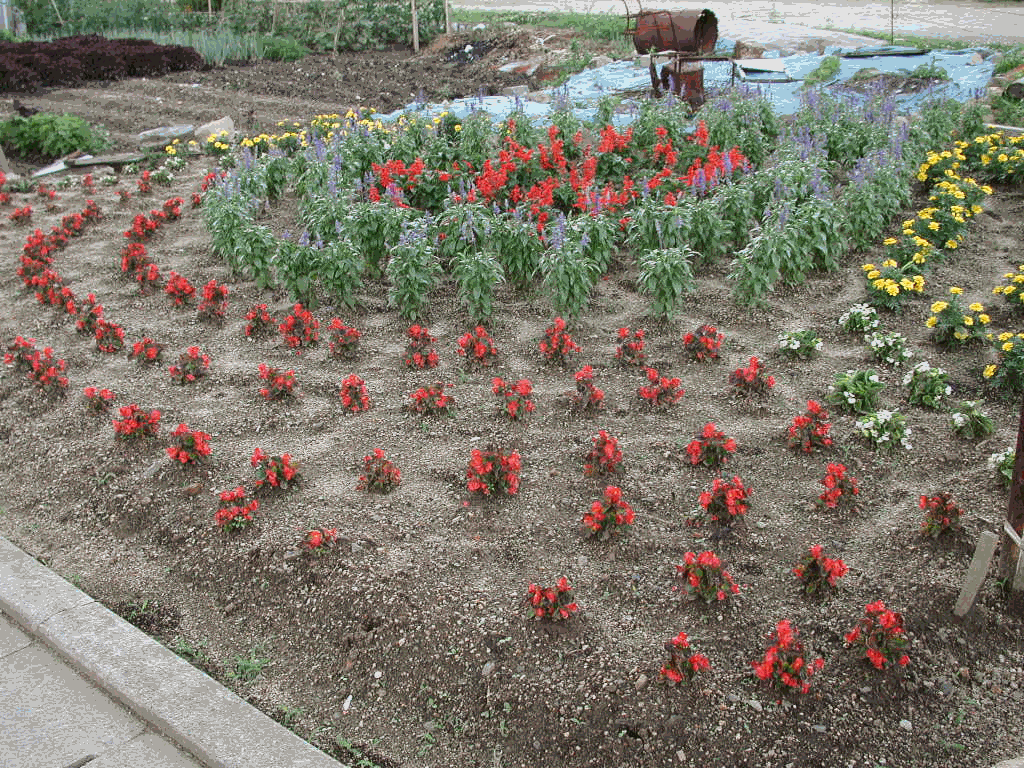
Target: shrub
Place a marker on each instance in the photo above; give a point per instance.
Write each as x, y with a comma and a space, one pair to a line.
785, 663
491, 472
135, 423
856, 391
557, 345
859, 319
109, 336
344, 343
880, 633
817, 572
477, 348
1007, 374
179, 289
380, 475
588, 397
214, 305
967, 421
188, 446
661, 391
431, 401
682, 664
1001, 464
704, 577
703, 344
46, 135
666, 275
551, 603
840, 489
279, 384
809, 431
799, 345
725, 502
236, 511
98, 400
420, 351
630, 350
300, 330
319, 540
275, 471
146, 351
941, 515
927, 386
258, 322
517, 399
192, 365
953, 326
752, 381
609, 515
888, 347
712, 448
353, 394
884, 430
604, 457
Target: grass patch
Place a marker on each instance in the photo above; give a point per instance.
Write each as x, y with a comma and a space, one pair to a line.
1011, 59
216, 46
1007, 111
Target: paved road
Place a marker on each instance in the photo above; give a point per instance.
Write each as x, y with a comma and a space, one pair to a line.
976, 22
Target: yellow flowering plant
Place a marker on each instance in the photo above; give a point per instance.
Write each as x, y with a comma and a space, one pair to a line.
1012, 289
952, 325
995, 156
1007, 374
889, 284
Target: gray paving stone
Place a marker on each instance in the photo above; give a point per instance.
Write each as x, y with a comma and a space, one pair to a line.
11, 637
149, 751
51, 716
30, 593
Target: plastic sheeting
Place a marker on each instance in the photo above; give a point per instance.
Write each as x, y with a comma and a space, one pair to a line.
584, 90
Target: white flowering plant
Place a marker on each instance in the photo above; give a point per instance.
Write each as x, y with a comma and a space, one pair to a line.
888, 347
927, 386
884, 430
860, 318
1001, 464
967, 420
856, 391
799, 345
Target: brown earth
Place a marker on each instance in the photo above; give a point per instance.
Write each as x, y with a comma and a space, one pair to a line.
410, 645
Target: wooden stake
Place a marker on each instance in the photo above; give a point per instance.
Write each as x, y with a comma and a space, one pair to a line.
1014, 524
447, 18
415, 29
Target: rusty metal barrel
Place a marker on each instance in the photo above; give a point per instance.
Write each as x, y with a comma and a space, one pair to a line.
683, 31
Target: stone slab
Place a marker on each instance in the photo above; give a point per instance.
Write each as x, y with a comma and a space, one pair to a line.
11, 637
30, 593
51, 716
120, 158
179, 701
161, 137
976, 573
147, 750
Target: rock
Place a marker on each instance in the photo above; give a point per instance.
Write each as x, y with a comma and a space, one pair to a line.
818, 728
681, 756
975, 60
516, 91
744, 50
488, 669
600, 61
215, 127
755, 705
641, 682
539, 97
732, 697
161, 137
906, 725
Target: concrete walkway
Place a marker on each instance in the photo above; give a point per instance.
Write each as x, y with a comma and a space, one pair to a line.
79, 686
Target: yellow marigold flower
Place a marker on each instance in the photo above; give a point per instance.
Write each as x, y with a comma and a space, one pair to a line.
956, 291
892, 289
889, 263
951, 244
874, 274
889, 241
922, 176
1002, 157
908, 232
931, 321
938, 306
968, 321
907, 284
1007, 346
933, 226
1018, 279
918, 283
984, 319
918, 258
990, 371
925, 213
959, 335
987, 189
869, 267
976, 307
1009, 289
1005, 336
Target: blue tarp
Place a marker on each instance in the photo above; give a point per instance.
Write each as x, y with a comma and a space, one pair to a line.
586, 88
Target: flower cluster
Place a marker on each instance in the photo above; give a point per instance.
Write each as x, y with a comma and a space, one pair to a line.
660, 391
810, 430
840, 489
682, 663
344, 342
726, 502
704, 577
420, 352
954, 326
319, 540
557, 345
799, 345
588, 397
477, 347
552, 603
258, 322
888, 347
98, 400
609, 515
136, 423
188, 446
630, 350
889, 284
19, 354
380, 475
859, 319
855, 391
604, 457
711, 448
274, 471
146, 351
880, 632
47, 373
236, 511
968, 421
214, 305
752, 381
1002, 464
927, 386
21, 215
279, 384
1007, 374
431, 401
817, 572
193, 364
1011, 290
353, 394
109, 336
884, 430
179, 289
785, 663
517, 400
703, 344
491, 472
940, 514
300, 329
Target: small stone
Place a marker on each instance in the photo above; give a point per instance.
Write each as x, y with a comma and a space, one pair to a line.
906, 725
755, 705
641, 682
377, 674
964, 674
681, 756
488, 669
818, 728
732, 697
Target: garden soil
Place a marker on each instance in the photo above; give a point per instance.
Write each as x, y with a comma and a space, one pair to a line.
410, 643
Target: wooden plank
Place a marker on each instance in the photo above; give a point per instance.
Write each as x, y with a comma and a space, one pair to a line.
976, 573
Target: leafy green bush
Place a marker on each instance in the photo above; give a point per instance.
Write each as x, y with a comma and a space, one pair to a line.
48, 135
283, 49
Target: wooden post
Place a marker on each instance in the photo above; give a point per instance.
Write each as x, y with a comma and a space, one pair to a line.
1014, 511
415, 29
209, 7
447, 18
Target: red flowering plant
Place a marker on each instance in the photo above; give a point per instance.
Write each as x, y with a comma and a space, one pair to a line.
703, 344
817, 572
19, 354
726, 502
344, 343
517, 401
214, 305
148, 279
809, 431
300, 329
660, 391
588, 398
609, 515
275, 471
172, 208
604, 457
704, 577
431, 401
143, 183
124, 195
236, 510
48, 374
491, 472
630, 350
179, 289
551, 603
134, 258
146, 351
278, 384
258, 322
683, 663
711, 448
98, 400
90, 312
420, 353
840, 489
109, 336
188, 446
136, 423
785, 662
477, 347
319, 540
353, 394
380, 475
21, 215
880, 633
193, 364
557, 345
752, 381
142, 228
941, 515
